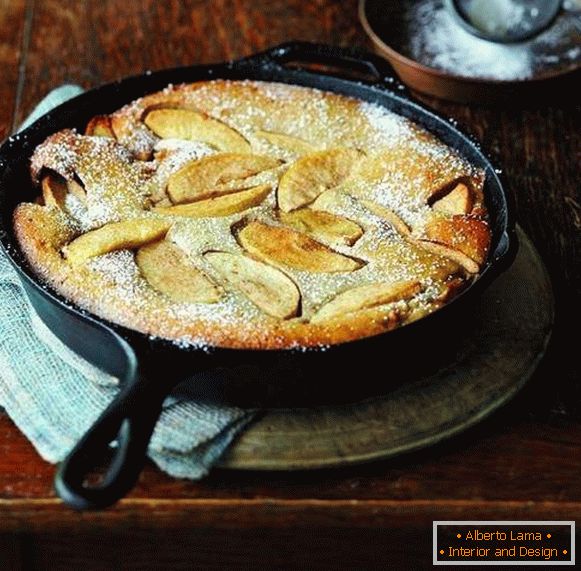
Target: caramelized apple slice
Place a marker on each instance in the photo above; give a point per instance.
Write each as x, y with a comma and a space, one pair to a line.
219, 205
195, 126
55, 190
455, 255
289, 143
131, 233
467, 234
268, 288
283, 246
388, 215
168, 270
209, 176
313, 174
458, 201
323, 225
100, 126
334, 198
133, 135
366, 297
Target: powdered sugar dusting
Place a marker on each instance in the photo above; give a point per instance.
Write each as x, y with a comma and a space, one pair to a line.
390, 129
437, 40
400, 162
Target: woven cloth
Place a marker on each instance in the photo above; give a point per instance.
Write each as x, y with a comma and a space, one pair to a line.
54, 396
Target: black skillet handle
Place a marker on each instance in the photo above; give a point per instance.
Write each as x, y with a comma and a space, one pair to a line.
353, 62
129, 421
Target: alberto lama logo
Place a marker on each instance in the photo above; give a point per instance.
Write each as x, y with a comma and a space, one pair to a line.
523, 538
495, 542
478, 535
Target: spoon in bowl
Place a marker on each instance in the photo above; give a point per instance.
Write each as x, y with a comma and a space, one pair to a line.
505, 21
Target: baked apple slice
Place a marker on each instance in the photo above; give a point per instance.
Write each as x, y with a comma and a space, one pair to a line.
56, 188
289, 143
100, 126
366, 297
459, 200
192, 125
312, 175
323, 225
286, 247
451, 253
209, 176
54, 191
169, 271
268, 288
129, 234
388, 215
219, 205
467, 235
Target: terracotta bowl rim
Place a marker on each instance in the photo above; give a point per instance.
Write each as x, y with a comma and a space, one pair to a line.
392, 54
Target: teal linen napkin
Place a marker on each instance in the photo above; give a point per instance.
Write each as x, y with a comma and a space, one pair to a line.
54, 396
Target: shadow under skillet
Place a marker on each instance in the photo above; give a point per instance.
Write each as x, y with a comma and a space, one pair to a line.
509, 331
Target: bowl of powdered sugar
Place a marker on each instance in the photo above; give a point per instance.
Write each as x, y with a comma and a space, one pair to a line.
433, 53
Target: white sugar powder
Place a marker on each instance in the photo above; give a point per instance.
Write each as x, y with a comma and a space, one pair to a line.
437, 40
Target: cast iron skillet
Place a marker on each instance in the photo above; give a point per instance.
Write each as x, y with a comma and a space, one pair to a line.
150, 368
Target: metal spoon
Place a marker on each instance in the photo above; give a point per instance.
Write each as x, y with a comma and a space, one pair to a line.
505, 21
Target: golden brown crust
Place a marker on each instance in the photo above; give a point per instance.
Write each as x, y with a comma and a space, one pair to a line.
468, 234
125, 168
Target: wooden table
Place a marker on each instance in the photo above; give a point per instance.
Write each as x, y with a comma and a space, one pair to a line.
523, 463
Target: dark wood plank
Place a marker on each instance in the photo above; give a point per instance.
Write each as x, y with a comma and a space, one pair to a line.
503, 459
46, 515
97, 42
14, 34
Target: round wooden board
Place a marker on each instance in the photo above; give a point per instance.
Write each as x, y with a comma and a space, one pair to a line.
512, 325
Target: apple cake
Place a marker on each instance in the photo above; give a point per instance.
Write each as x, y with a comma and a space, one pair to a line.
250, 214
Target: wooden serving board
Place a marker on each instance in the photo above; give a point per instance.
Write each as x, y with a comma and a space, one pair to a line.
511, 327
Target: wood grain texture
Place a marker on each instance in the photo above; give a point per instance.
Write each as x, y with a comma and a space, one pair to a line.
523, 462
14, 37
